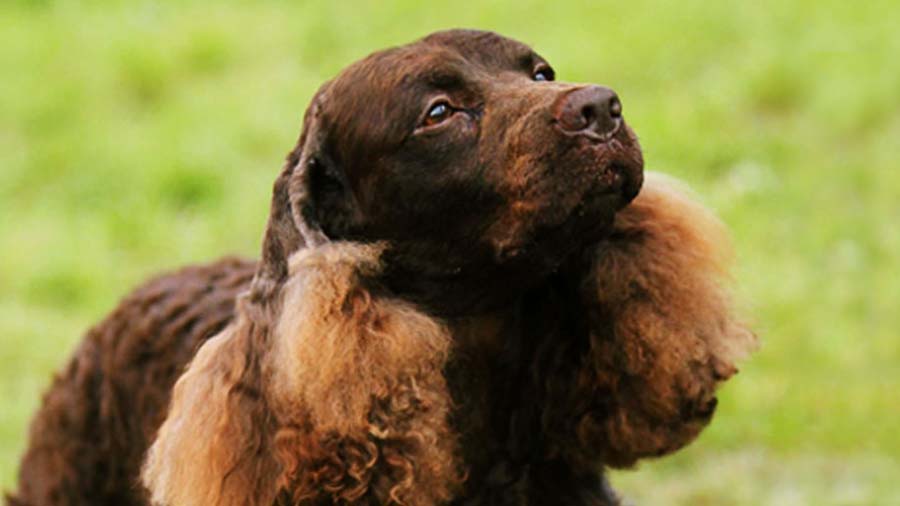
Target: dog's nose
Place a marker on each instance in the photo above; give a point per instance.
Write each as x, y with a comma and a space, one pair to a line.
592, 110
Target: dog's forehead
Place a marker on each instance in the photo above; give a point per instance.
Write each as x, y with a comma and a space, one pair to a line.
486, 48
441, 53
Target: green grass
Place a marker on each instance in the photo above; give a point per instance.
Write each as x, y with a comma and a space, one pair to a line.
136, 137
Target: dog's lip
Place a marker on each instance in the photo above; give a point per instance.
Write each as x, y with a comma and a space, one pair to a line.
622, 177
619, 165
593, 136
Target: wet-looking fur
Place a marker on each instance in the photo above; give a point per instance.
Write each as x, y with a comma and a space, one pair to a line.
478, 309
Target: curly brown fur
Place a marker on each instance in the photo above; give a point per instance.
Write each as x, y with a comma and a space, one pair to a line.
383, 391
663, 331
347, 403
96, 421
467, 312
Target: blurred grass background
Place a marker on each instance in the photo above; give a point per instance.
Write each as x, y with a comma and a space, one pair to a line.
139, 136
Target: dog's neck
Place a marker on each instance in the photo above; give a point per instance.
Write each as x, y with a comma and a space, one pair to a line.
497, 375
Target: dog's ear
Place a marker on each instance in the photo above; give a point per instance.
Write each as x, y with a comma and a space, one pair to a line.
310, 196
341, 400
664, 332
213, 446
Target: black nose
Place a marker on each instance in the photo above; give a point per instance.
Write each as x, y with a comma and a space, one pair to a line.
592, 110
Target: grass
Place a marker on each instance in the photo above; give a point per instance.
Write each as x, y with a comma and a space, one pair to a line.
139, 136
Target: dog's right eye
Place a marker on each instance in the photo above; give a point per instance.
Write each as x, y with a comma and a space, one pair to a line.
543, 73
438, 113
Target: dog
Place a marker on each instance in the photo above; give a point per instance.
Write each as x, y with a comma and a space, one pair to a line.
468, 294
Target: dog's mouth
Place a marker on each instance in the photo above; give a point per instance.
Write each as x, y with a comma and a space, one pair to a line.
572, 199
610, 177
615, 174
620, 164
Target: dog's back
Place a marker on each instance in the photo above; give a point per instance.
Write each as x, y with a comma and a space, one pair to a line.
103, 410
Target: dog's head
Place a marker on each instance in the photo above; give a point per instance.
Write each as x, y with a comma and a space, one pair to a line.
463, 153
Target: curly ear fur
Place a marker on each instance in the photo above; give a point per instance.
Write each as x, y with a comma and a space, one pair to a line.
212, 448
663, 329
333, 394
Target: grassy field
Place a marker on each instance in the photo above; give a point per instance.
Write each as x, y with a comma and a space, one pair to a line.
136, 137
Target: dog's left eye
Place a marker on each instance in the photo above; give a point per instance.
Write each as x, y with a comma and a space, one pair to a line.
543, 74
438, 113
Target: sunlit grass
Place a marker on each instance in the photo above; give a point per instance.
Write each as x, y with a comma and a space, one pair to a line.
139, 136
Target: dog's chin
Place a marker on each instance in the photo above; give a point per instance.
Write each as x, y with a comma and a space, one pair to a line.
590, 220
587, 219
618, 166
622, 178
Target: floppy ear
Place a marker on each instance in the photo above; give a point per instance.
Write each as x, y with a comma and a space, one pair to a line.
357, 387
332, 394
311, 202
663, 330
213, 448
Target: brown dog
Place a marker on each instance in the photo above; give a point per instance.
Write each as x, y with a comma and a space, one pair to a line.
455, 304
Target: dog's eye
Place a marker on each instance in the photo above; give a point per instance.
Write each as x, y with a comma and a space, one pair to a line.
438, 113
543, 73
